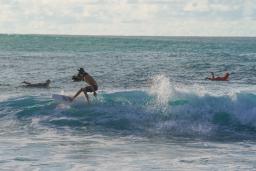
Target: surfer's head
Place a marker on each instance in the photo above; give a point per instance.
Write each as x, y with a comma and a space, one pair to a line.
80, 75
226, 75
81, 71
48, 81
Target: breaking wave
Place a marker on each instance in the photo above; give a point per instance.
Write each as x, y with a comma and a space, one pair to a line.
174, 113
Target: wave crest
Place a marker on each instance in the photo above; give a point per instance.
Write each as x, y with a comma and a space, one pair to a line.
141, 111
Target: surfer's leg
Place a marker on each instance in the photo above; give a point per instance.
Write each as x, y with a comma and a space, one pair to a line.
88, 89
77, 94
86, 95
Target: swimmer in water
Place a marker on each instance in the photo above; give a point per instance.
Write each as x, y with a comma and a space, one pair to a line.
37, 85
224, 78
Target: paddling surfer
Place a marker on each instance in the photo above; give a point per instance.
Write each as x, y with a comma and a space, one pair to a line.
37, 85
92, 85
224, 78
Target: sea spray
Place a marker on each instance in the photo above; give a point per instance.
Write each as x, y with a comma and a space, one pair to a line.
161, 90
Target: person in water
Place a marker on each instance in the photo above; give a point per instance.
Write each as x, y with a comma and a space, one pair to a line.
92, 85
224, 78
37, 85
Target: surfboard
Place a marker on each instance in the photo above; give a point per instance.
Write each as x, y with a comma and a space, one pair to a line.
61, 98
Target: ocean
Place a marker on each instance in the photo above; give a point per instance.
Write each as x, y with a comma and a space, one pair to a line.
154, 109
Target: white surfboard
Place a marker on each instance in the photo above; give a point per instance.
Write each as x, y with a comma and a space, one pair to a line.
61, 98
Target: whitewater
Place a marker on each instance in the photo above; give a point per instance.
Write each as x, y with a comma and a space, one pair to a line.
154, 110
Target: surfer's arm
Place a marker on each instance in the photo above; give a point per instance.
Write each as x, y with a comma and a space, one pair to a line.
212, 75
210, 78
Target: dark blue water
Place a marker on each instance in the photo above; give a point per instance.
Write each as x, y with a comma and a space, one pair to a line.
154, 109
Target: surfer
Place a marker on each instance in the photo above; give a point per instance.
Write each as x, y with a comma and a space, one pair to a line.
37, 85
92, 85
224, 78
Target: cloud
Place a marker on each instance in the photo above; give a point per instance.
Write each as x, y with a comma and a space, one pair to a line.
207, 6
199, 6
128, 17
249, 9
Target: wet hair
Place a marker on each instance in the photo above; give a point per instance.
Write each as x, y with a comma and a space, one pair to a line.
81, 72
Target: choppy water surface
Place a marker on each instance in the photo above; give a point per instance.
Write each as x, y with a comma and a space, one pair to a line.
154, 110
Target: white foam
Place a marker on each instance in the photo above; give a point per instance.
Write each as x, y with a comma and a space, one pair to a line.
161, 88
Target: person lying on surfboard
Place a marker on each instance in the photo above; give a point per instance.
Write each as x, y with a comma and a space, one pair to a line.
37, 85
224, 78
92, 85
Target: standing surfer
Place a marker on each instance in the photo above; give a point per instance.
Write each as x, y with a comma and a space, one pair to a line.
92, 85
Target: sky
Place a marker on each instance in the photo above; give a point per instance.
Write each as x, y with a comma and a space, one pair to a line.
129, 17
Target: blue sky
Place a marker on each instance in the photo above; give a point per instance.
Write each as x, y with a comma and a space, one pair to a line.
129, 17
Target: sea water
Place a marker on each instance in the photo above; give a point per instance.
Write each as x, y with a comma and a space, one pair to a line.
154, 109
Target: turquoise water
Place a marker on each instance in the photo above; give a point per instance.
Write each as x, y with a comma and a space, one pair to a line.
154, 110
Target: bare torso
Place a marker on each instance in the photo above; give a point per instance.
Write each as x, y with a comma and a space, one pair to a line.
89, 80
